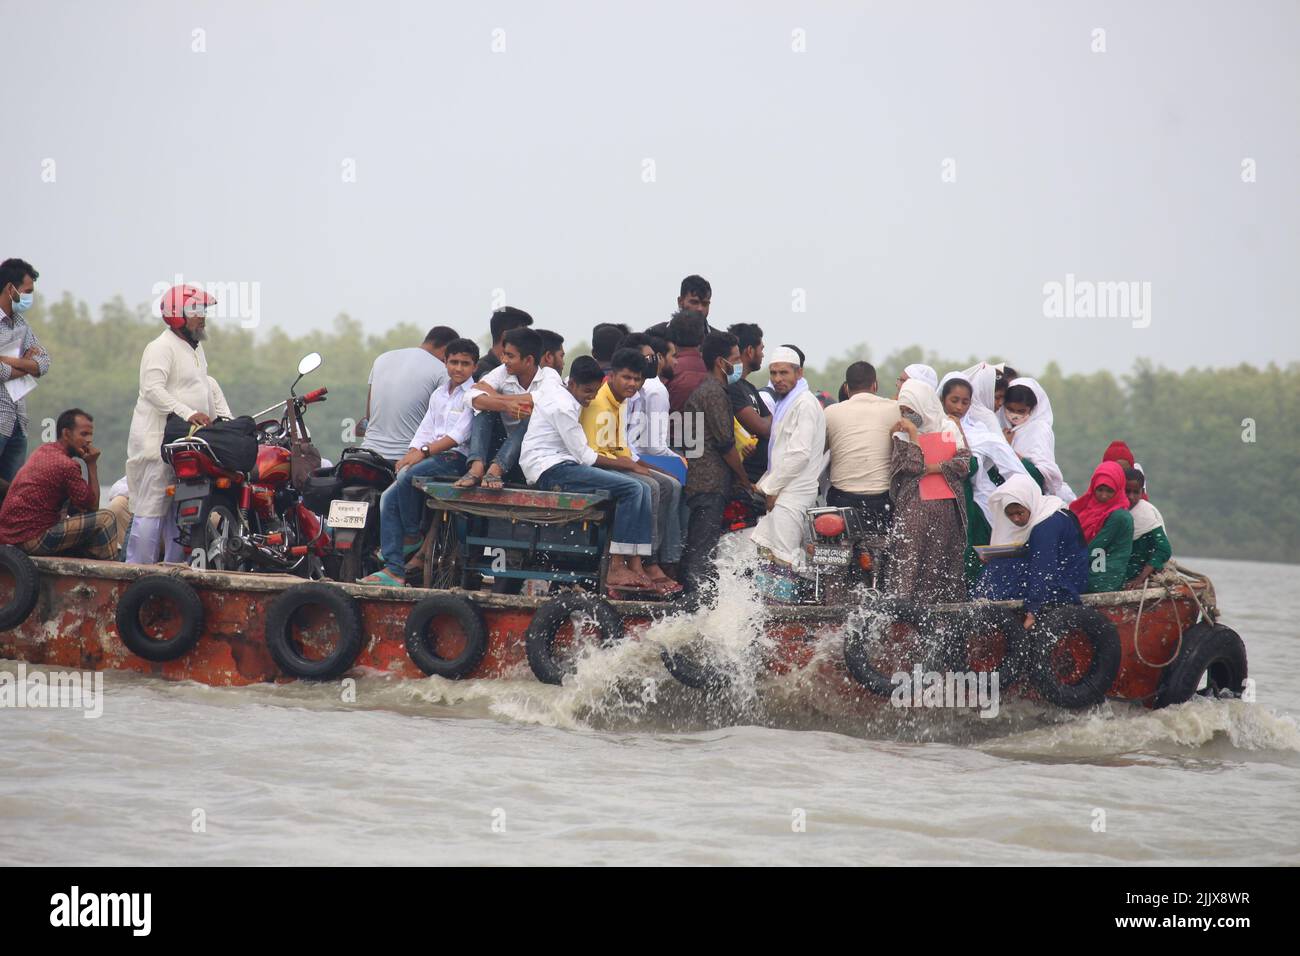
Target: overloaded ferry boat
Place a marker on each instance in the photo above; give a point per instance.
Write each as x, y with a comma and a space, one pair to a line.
1158, 646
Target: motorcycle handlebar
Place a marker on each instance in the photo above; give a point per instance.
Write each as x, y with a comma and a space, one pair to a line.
316, 396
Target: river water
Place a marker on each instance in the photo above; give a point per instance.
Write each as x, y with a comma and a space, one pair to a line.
622, 765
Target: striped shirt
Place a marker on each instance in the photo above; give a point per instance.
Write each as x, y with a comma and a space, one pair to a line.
14, 331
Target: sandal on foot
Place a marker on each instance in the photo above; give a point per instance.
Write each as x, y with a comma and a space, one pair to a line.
383, 578
493, 482
465, 481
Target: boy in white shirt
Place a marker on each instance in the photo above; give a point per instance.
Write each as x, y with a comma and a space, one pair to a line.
438, 450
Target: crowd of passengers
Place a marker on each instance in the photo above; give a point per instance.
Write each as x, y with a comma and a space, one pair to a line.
665, 421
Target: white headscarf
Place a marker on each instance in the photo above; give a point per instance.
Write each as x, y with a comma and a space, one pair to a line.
923, 372
983, 380
1145, 518
921, 398
1019, 490
1035, 439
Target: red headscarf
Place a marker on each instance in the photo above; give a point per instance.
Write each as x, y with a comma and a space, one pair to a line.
1117, 450
1092, 513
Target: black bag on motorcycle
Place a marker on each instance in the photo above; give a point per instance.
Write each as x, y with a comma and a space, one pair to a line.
232, 440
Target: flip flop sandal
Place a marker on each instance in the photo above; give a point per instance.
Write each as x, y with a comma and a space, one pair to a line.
493, 482
382, 578
465, 481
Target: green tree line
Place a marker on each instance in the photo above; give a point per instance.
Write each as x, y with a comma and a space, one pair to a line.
1221, 447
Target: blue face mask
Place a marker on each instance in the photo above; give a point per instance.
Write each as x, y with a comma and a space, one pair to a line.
737, 370
23, 302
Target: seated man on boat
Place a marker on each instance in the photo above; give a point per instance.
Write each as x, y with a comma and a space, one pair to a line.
796, 457
51, 509
555, 456
504, 400
438, 450
605, 421
1050, 563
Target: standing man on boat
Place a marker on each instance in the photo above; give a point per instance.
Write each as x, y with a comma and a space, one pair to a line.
173, 380
696, 295
796, 456
22, 360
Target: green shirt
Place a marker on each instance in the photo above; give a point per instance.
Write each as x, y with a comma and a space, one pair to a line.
1152, 548
1109, 552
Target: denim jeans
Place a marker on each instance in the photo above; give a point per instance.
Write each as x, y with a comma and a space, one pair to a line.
631, 533
702, 539
483, 437
875, 511
402, 505
665, 509
13, 452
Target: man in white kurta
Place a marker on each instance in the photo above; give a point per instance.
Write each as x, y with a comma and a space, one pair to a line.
796, 457
173, 379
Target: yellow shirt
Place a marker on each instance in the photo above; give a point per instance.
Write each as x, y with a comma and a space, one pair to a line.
604, 422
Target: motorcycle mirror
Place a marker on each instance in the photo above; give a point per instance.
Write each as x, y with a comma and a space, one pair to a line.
309, 363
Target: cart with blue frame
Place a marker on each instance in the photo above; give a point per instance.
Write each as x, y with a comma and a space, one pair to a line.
514, 534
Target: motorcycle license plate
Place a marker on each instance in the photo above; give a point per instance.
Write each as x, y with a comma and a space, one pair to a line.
831, 555
347, 514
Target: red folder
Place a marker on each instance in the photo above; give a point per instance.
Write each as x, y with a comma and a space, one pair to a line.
937, 448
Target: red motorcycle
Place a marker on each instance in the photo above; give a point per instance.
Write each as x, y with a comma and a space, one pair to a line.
255, 520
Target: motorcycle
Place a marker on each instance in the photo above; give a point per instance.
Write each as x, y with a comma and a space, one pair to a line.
348, 494
253, 520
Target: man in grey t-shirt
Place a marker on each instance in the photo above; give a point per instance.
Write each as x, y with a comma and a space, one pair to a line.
401, 382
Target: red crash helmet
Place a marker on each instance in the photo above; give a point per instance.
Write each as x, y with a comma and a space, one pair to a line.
182, 301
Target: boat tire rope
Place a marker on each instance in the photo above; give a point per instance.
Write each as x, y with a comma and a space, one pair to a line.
551, 616
284, 647
1212, 651
1055, 624
422, 639
167, 589
27, 586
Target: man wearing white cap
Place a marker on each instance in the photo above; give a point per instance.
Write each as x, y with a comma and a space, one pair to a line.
796, 452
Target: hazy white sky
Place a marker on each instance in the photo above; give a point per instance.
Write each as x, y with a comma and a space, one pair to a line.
773, 170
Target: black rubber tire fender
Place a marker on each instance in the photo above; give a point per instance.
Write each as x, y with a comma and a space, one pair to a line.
982, 618
279, 631
1213, 650
1050, 626
423, 650
857, 638
690, 666
168, 588
27, 586
546, 623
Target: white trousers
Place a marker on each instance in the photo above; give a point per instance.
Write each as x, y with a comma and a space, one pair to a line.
142, 548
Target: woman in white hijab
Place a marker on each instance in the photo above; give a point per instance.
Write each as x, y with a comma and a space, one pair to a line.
984, 433
928, 535
1029, 417
1054, 566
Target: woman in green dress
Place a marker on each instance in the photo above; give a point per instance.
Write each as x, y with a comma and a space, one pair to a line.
1107, 528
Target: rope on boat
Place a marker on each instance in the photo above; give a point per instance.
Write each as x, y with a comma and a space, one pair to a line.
1137, 628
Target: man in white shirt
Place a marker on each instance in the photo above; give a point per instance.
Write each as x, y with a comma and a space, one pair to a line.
858, 434
437, 450
503, 402
795, 460
555, 456
400, 384
173, 380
